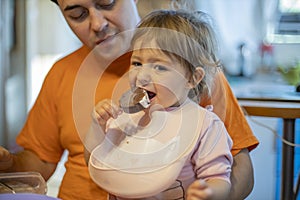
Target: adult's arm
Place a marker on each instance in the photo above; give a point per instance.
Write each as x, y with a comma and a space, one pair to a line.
242, 180
25, 161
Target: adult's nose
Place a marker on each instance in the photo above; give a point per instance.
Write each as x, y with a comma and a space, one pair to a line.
98, 20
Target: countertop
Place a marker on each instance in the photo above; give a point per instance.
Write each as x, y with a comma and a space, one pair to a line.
263, 87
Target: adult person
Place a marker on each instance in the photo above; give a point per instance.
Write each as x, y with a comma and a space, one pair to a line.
50, 128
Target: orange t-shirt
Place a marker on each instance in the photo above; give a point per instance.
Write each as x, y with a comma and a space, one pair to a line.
54, 122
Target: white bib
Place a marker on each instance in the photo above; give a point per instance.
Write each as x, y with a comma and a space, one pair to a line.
138, 162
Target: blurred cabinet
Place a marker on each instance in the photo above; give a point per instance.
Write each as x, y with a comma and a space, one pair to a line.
5, 26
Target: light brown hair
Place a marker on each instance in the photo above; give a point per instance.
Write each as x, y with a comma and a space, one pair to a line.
188, 37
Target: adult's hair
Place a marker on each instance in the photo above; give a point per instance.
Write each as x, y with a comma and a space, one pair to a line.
55, 1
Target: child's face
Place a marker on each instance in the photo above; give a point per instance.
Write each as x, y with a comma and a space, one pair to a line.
160, 75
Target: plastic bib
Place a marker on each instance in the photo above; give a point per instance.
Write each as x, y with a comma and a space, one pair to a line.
138, 162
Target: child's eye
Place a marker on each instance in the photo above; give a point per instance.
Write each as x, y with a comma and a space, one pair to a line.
160, 68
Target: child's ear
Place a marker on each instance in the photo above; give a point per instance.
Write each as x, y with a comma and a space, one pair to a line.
197, 77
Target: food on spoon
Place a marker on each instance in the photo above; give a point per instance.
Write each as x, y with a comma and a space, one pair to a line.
135, 101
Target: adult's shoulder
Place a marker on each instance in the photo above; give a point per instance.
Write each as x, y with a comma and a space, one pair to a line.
66, 67
73, 59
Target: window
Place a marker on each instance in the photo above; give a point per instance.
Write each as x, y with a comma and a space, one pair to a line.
287, 26
289, 17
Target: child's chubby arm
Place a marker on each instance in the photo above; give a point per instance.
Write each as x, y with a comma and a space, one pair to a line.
213, 189
103, 111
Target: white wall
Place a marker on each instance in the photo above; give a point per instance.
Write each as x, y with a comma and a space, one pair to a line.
48, 39
264, 159
286, 54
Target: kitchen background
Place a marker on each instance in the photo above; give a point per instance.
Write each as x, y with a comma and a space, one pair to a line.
33, 35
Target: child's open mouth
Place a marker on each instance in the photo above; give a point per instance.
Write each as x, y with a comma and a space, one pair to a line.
136, 100
151, 95
143, 97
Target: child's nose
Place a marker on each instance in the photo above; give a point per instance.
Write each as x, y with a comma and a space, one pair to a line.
143, 77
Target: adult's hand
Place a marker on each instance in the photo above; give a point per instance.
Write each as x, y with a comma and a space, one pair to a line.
6, 159
25, 161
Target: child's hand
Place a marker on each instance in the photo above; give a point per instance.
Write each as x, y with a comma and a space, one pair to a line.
199, 190
106, 109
